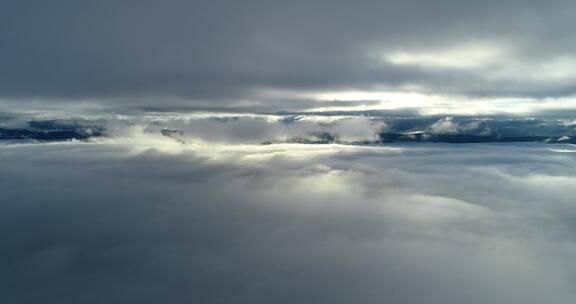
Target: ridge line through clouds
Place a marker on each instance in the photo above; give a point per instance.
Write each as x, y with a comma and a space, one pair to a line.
330, 127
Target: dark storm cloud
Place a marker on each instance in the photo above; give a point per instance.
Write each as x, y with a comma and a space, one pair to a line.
217, 52
102, 223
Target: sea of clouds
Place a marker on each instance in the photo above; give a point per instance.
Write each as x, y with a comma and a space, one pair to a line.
148, 219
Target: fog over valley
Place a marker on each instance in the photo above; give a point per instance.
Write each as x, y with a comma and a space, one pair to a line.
304, 151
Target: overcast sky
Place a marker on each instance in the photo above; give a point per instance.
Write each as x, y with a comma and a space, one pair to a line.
297, 151
287, 54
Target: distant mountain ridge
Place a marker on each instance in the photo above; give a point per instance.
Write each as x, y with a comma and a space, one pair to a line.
300, 129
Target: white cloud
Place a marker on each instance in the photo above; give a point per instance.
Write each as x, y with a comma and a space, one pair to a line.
459, 57
466, 223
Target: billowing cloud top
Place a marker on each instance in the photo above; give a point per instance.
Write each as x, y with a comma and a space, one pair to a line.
261, 151
288, 55
154, 221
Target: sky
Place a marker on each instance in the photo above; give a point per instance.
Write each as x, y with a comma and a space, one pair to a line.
440, 55
311, 152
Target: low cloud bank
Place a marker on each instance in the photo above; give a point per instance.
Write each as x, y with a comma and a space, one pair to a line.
119, 223
300, 128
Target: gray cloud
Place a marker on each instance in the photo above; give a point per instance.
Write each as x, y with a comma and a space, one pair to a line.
215, 53
168, 201
375, 127
95, 223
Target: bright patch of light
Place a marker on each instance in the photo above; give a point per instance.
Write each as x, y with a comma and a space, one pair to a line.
427, 104
388, 100
465, 57
561, 68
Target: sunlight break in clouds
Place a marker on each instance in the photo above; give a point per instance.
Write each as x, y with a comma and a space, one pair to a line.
468, 56
283, 152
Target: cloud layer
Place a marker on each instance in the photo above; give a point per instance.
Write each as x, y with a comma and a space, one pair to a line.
156, 221
169, 151
216, 53
320, 127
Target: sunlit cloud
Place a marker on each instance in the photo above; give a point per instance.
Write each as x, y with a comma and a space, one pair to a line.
386, 215
459, 57
302, 151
